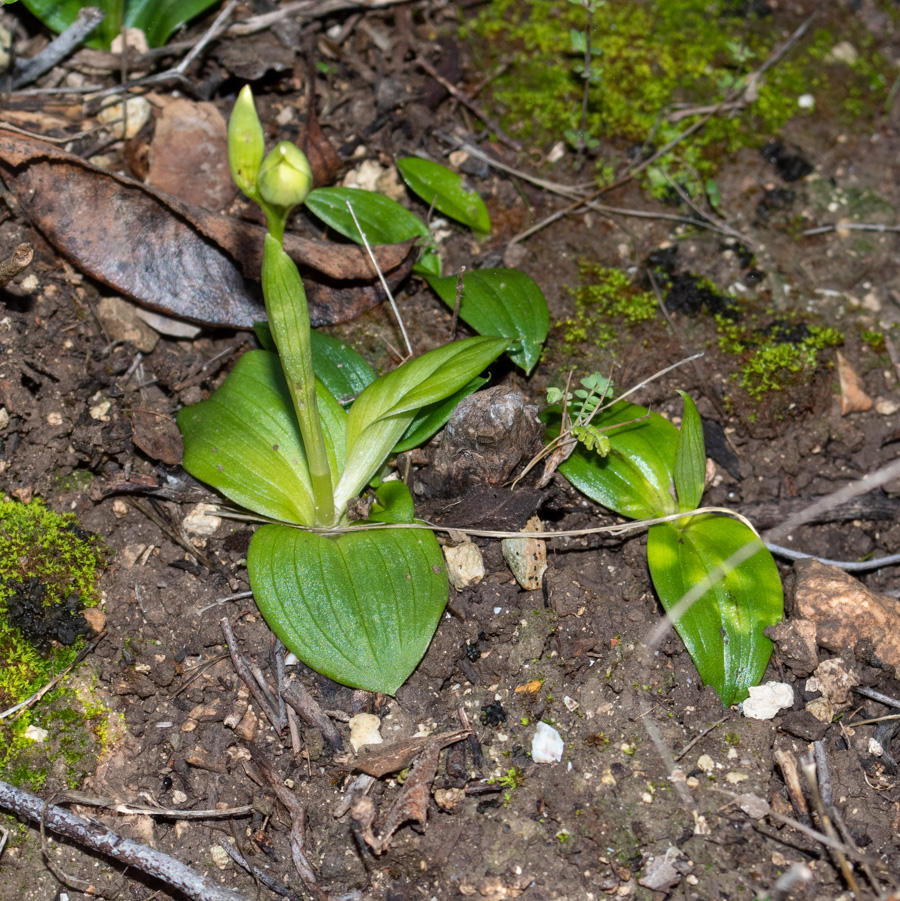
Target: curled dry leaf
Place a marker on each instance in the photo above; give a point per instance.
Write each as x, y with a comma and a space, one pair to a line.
176, 257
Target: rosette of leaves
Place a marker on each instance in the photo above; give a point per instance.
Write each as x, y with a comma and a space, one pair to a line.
646, 468
358, 605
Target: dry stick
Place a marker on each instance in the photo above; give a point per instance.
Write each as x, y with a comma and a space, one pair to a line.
272, 884
311, 713
809, 770
892, 353
102, 840
857, 226
246, 675
307, 9
700, 737
59, 48
459, 293
381, 277
873, 695
17, 262
298, 823
466, 101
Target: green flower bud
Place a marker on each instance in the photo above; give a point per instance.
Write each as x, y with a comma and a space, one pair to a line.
246, 143
285, 177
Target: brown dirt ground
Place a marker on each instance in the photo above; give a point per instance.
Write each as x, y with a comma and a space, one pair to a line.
593, 824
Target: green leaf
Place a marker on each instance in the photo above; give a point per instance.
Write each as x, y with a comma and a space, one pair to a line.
437, 185
635, 477
393, 503
723, 630
339, 367
360, 608
158, 19
384, 411
690, 458
428, 420
244, 440
384, 221
502, 302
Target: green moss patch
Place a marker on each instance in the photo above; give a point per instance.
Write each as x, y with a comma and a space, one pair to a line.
49, 572
659, 57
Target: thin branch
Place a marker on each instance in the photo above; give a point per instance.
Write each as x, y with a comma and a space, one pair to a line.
59, 48
98, 838
16, 263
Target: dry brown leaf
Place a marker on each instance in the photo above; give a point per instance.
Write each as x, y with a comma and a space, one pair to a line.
173, 256
379, 760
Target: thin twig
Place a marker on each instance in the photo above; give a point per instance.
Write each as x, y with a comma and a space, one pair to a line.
98, 838
246, 675
700, 737
850, 226
59, 48
270, 883
381, 277
456, 305
850, 566
467, 102
873, 695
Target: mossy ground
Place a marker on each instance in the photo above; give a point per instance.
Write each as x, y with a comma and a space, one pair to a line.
761, 351
658, 57
47, 555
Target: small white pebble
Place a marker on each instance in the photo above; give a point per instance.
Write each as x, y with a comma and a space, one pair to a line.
547, 744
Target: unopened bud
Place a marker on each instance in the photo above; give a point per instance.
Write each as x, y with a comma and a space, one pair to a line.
246, 142
285, 177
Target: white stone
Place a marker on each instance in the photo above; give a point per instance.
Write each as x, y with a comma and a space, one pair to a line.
220, 857
767, 699
364, 730
806, 101
126, 120
465, 565
201, 520
547, 744
35, 733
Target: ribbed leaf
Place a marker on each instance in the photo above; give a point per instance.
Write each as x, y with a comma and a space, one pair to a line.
690, 458
382, 220
502, 302
244, 440
384, 411
723, 630
360, 608
437, 185
635, 478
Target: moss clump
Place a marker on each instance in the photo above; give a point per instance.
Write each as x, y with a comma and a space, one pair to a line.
49, 571
775, 358
605, 300
652, 56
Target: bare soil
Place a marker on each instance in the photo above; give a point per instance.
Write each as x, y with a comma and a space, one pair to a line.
625, 795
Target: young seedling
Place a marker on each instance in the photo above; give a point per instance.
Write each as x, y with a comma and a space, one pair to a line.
359, 606
651, 470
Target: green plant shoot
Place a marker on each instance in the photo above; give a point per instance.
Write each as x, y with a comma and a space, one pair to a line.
651, 469
359, 607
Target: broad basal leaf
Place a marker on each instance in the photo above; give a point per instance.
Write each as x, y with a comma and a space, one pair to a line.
437, 185
382, 220
723, 630
384, 411
690, 458
339, 367
502, 302
244, 440
360, 608
635, 477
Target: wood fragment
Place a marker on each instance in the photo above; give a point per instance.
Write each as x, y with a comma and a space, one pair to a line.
312, 714
17, 262
98, 838
381, 760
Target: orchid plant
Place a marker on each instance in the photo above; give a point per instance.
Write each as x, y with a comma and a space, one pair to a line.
358, 605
